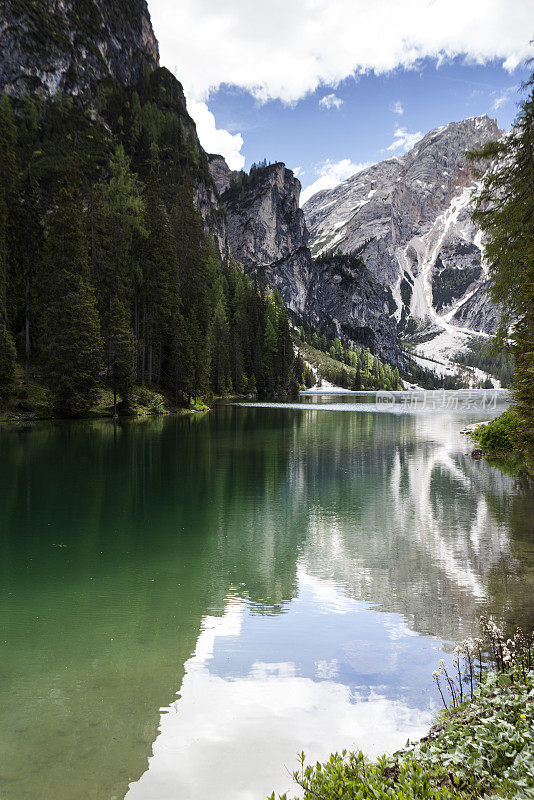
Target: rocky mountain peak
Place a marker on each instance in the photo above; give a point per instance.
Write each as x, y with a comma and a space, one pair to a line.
268, 234
265, 223
71, 45
408, 217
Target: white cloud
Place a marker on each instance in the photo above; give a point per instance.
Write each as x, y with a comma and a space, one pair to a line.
331, 101
298, 171
285, 50
403, 140
503, 97
216, 140
397, 107
330, 173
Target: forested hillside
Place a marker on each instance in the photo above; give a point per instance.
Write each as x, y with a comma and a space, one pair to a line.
109, 278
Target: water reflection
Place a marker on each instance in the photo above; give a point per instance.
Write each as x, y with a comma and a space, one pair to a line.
291, 574
243, 705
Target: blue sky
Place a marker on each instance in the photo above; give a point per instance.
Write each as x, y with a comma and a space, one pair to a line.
329, 85
312, 136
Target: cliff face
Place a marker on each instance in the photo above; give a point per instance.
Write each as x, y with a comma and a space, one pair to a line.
409, 218
71, 45
266, 228
267, 233
410, 213
345, 296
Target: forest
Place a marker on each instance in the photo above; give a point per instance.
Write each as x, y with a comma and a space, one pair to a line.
109, 280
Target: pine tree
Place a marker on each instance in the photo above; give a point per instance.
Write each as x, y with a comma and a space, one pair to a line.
30, 246
7, 362
270, 349
121, 353
116, 225
71, 329
505, 212
8, 193
158, 290
220, 345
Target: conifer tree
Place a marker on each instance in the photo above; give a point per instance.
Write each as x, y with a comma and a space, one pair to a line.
505, 212
71, 329
116, 224
7, 362
159, 284
8, 192
30, 246
121, 353
220, 335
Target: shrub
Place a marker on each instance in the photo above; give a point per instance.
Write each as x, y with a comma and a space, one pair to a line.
501, 433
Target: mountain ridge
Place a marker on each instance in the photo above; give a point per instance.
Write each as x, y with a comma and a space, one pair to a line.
408, 217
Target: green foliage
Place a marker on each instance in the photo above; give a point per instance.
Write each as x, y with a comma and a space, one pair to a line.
247, 182
505, 212
353, 777
501, 434
168, 312
7, 363
150, 402
72, 344
451, 283
121, 351
495, 360
71, 329
427, 379
344, 366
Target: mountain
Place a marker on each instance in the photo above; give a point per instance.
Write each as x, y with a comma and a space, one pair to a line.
76, 49
266, 227
114, 245
267, 233
408, 218
70, 46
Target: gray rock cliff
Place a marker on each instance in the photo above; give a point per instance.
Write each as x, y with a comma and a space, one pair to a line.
71, 45
409, 218
267, 233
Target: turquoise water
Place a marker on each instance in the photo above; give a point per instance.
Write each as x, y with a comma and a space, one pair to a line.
187, 603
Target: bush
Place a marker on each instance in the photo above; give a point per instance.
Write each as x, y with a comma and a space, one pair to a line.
153, 402
500, 434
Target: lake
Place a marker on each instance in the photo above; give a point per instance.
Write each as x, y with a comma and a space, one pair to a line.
186, 603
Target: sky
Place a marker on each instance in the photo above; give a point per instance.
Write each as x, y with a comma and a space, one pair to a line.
331, 86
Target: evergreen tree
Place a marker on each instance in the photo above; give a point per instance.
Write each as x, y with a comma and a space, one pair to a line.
157, 295
505, 212
116, 225
30, 246
7, 362
8, 193
220, 335
71, 328
121, 353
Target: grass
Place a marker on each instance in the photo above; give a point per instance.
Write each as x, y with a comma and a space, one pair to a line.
481, 746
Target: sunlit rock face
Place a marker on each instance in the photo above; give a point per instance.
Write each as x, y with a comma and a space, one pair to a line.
70, 46
409, 219
266, 227
267, 233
